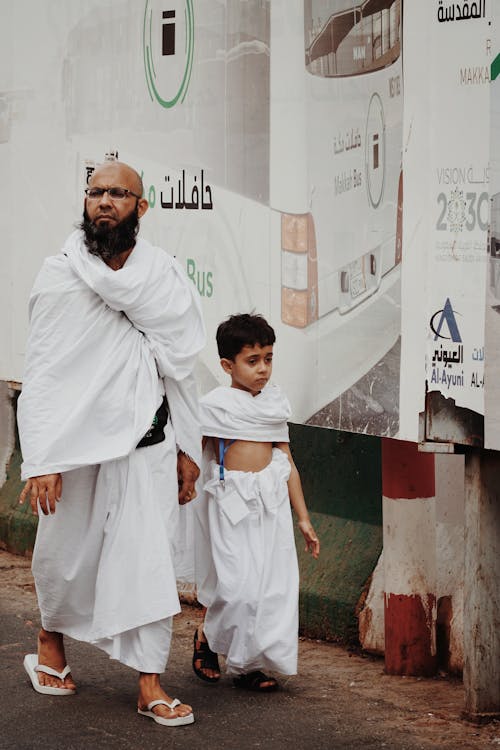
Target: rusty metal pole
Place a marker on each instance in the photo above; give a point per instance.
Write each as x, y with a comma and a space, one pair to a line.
482, 585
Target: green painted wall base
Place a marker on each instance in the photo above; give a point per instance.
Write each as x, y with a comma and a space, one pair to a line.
17, 522
341, 476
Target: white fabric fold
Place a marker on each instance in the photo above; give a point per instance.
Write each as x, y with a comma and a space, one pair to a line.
247, 571
241, 487
153, 292
99, 342
103, 564
235, 414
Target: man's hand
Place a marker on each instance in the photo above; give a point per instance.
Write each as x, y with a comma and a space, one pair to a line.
47, 489
187, 474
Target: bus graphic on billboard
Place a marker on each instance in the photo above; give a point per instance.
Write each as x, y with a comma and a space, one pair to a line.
269, 137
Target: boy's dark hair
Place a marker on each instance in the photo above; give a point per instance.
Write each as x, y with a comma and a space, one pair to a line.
242, 330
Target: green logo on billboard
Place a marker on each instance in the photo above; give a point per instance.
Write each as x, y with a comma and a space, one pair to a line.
495, 68
168, 45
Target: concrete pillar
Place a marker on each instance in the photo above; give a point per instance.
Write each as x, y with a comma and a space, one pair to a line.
482, 585
450, 519
6, 428
408, 488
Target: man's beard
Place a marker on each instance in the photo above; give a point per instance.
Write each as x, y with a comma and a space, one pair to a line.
109, 241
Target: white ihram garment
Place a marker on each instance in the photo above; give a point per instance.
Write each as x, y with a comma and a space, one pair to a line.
102, 563
246, 561
99, 342
104, 346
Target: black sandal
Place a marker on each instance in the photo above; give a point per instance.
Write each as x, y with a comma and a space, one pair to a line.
253, 681
207, 657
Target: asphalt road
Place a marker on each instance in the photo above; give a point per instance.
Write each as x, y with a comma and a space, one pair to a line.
339, 701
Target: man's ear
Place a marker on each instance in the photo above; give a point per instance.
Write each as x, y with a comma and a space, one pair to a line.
227, 365
142, 206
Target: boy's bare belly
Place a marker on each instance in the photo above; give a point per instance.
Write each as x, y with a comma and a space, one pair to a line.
245, 455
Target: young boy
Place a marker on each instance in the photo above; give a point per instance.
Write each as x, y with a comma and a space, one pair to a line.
246, 562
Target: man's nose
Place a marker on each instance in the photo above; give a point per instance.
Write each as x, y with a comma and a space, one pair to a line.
105, 200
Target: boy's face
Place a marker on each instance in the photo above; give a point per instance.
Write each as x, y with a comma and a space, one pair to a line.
251, 368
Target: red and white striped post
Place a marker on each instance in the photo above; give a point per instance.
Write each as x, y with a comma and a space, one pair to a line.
409, 520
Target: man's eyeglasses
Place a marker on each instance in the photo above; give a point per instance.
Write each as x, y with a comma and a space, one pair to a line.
115, 193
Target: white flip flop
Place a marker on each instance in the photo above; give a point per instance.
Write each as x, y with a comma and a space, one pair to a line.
177, 722
32, 667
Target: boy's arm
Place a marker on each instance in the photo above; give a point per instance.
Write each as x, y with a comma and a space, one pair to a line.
299, 504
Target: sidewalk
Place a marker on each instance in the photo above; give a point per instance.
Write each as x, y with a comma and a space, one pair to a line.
339, 701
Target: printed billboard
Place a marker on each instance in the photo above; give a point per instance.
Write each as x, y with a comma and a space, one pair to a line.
269, 137
492, 307
446, 208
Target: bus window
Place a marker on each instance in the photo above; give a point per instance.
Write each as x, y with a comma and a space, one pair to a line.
348, 41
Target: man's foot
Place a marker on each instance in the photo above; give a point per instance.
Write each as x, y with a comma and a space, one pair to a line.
205, 661
51, 654
256, 681
150, 690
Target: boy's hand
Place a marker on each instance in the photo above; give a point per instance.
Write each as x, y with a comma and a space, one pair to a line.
47, 489
187, 474
312, 541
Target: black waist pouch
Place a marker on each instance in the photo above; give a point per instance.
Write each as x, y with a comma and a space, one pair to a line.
156, 433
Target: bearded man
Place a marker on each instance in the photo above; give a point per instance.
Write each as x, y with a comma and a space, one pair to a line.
110, 441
